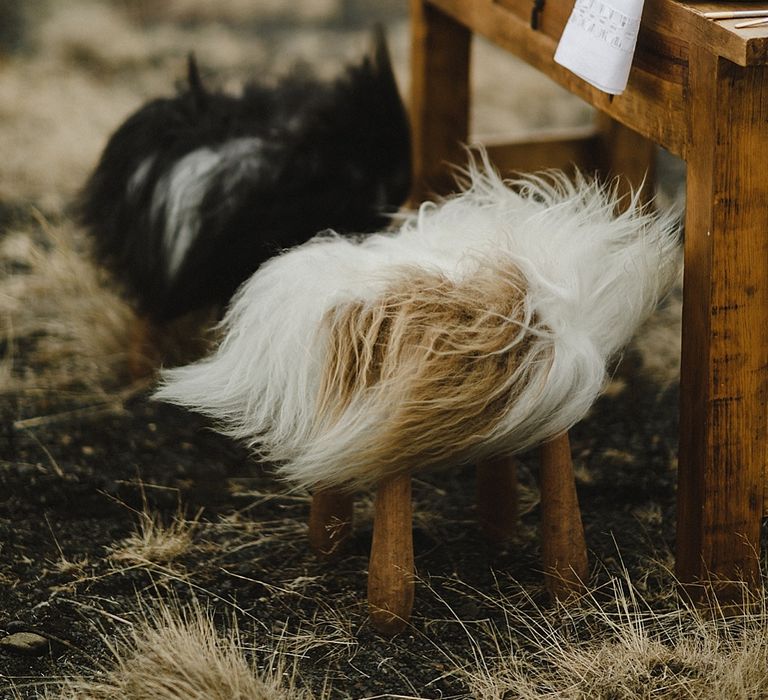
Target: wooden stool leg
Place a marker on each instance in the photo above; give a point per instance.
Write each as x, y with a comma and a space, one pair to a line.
142, 351
497, 498
440, 54
724, 368
564, 551
390, 571
330, 520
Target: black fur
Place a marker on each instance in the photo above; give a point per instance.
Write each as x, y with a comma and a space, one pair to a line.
332, 155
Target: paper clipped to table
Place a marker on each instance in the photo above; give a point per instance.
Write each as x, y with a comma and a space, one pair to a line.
598, 42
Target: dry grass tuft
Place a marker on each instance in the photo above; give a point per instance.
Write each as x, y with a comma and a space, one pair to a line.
154, 542
72, 323
612, 646
178, 654
55, 120
234, 11
74, 326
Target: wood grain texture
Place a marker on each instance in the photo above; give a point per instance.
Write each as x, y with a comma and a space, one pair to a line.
653, 102
440, 64
497, 498
560, 149
390, 570
670, 19
330, 521
563, 549
744, 47
626, 155
724, 375
607, 148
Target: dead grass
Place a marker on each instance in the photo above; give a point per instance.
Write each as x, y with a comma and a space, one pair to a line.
612, 645
179, 654
233, 11
73, 324
55, 116
53, 299
155, 541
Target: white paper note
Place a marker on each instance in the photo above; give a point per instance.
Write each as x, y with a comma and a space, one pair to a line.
598, 42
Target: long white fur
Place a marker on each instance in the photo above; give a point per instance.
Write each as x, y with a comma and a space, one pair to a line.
181, 191
137, 180
592, 274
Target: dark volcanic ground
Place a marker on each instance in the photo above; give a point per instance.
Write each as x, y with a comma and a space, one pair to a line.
71, 486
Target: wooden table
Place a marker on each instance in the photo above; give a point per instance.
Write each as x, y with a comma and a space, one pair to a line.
699, 88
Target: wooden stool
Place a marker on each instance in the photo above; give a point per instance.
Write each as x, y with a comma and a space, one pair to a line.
391, 569
699, 88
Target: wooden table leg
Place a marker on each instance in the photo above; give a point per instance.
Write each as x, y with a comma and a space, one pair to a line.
724, 372
564, 551
623, 153
439, 110
330, 520
390, 571
497, 498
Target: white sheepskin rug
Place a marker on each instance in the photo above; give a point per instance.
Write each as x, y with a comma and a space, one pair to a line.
483, 326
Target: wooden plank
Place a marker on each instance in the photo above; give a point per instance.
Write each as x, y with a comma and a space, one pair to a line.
608, 148
671, 19
440, 55
652, 105
742, 46
552, 17
724, 375
653, 44
560, 149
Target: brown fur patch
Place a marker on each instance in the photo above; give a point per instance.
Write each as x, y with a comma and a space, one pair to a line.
445, 359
